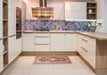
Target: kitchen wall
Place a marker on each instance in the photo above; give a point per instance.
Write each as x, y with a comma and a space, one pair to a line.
58, 6
105, 16
29, 5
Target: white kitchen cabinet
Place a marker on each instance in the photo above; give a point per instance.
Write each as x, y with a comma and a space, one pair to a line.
42, 42
28, 42
19, 45
92, 52
1, 61
1, 6
12, 17
87, 49
75, 10
71, 42
58, 41
42, 47
12, 48
1, 56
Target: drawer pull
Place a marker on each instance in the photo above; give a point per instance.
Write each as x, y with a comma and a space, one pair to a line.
42, 36
12, 35
84, 49
84, 40
42, 44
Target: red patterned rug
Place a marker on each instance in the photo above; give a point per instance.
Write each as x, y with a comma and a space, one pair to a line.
52, 60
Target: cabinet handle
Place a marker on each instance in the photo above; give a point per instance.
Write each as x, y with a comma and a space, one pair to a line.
84, 49
12, 35
42, 44
84, 40
42, 36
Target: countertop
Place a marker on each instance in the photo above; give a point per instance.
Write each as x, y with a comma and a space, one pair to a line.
96, 35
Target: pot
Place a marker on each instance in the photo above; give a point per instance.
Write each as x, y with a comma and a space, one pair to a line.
92, 28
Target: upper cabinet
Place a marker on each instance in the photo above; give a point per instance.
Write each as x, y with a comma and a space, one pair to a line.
75, 10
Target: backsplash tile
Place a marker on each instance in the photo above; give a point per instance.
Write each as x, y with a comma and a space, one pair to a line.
48, 25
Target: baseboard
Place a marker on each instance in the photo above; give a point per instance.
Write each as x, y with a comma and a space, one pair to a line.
91, 67
49, 53
10, 64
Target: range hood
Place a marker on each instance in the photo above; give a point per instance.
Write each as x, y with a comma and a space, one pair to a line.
42, 12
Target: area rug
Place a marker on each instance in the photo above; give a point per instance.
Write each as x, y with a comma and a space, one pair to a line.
52, 60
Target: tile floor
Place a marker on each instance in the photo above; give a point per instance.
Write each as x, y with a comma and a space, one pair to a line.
24, 66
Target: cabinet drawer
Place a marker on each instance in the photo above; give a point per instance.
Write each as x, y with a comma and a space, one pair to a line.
84, 51
84, 39
42, 34
42, 40
85, 42
44, 47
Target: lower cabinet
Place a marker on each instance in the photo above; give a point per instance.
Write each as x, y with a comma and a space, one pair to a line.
12, 48
42, 42
28, 42
42, 47
87, 49
1, 56
71, 42
19, 45
49, 42
58, 41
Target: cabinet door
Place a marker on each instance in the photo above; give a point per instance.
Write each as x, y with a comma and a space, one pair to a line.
1, 56
92, 52
19, 45
12, 17
28, 42
1, 19
12, 49
58, 42
71, 42
75, 10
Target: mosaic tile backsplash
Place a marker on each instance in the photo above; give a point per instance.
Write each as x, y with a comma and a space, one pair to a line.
48, 25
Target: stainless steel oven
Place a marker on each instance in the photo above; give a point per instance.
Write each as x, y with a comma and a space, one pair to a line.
18, 23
